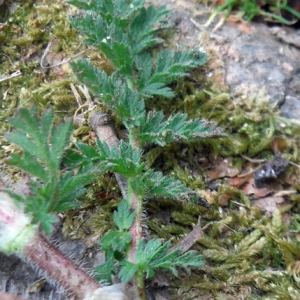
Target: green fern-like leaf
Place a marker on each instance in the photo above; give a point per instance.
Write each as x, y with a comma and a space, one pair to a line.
128, 271
176, 128
123, 34
113, 92
109, 8
153, 184
104, 271
123, 160
88, 24
154, 255
43, 144
123, 217
142, 28
106, 25
102, 85
120, 56
29, 164
169, 66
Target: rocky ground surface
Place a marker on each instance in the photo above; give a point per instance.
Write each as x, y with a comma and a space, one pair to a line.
248, 58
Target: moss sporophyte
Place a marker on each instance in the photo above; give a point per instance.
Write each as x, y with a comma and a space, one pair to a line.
126, 33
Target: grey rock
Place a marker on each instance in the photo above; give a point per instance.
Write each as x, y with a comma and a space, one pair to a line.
291, 108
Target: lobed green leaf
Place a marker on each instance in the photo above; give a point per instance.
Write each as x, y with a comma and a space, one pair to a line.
123, 217
113, 92
154, 255
123, 160
116, 240
35, 139
104, 272
153, 184
58, 140
170, 66
176, 128
69, 184
142, 28
120, 56
30, 165
127, 271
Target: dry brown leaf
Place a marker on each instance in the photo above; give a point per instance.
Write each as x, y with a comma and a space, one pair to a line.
251, 189
287, 218
55, 61
219, 2
222, 169
239, 181
268, 204
54, 58
223, 199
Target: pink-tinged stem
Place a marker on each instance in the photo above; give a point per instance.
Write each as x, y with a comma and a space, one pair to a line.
6, 296
136, 228
18, 235
59, 268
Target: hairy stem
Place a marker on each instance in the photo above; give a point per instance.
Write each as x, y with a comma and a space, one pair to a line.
59, 268
19, 236
137, 234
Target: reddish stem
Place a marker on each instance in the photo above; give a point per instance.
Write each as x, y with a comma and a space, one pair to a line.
59, 268
136, 228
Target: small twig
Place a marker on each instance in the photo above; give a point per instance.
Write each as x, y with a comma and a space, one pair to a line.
227, 226
89, 101
78, 109
7, 57
84, 90
76, 94
219, 24
198, 25
15, 74
103, 127
253, 160
238, 203
293, 164
191, 238
249, 172
44, 54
